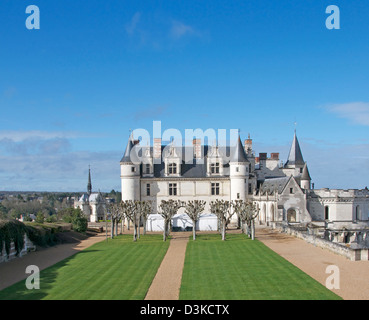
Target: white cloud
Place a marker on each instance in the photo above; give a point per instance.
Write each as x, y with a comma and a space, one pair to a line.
18, 136
356, 112
179, 30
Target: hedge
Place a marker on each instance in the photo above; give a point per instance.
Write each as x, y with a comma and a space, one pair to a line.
12, 231
40, 234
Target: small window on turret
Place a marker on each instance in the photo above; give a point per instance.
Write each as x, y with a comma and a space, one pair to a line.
133, 169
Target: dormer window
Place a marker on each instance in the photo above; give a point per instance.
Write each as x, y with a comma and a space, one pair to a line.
147, 168
172, 168
214, 167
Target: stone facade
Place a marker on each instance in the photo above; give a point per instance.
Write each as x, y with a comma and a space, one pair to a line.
282, 192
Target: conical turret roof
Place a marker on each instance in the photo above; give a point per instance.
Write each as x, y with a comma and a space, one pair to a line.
127, 153
238, 152
305, 173
295, 155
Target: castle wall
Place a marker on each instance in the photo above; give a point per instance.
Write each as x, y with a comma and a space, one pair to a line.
186, 190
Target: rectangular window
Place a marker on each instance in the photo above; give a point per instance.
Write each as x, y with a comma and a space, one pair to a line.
238, 195
215, 189
214, 167
133, 169
172, 189
250, 188
237, 169
291, 190
148, 189
147, 168
172, 168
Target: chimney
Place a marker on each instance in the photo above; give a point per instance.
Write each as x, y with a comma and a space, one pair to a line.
262, 156
274, 156
248, 145
196, 148
157, 149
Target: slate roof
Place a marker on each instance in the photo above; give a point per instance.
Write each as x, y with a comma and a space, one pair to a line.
272, 184
127, 154
305, 173
295, 155
195, 169
239, 154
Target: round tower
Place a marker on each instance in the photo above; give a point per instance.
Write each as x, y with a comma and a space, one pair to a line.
239, 174
305, 178
130, 174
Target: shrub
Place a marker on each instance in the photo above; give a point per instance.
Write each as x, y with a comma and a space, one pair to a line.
40, 218
76, 218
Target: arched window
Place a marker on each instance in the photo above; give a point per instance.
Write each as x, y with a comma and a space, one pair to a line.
291, 215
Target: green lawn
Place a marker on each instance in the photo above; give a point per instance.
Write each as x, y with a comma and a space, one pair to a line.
241, 269
117, 269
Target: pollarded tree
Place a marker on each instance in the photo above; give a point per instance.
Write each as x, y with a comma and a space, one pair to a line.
247, 213
168, 208
222, 209
146, 209
131, 210
114, 213
193, 209
143, 209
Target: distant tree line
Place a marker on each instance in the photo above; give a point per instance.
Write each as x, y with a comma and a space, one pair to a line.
44, 205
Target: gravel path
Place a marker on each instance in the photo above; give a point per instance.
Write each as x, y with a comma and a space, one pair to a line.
354, 275
167, 281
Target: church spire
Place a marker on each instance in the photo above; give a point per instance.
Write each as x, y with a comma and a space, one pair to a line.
89, 184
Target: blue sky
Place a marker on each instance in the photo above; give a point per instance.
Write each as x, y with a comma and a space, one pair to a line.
70, 92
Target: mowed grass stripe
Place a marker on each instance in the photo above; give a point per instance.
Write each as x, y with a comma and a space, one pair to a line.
118, 269
241, 269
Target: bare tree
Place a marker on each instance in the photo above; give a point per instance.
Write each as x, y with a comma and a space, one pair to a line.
193, 209
222, 209
132, 212
146, 208
168, 208
113, 210
247, 213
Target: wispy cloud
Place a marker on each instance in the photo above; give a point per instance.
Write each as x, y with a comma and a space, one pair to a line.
179, 30
131, 27
157, 31
18, 136
149, 113
356, 112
